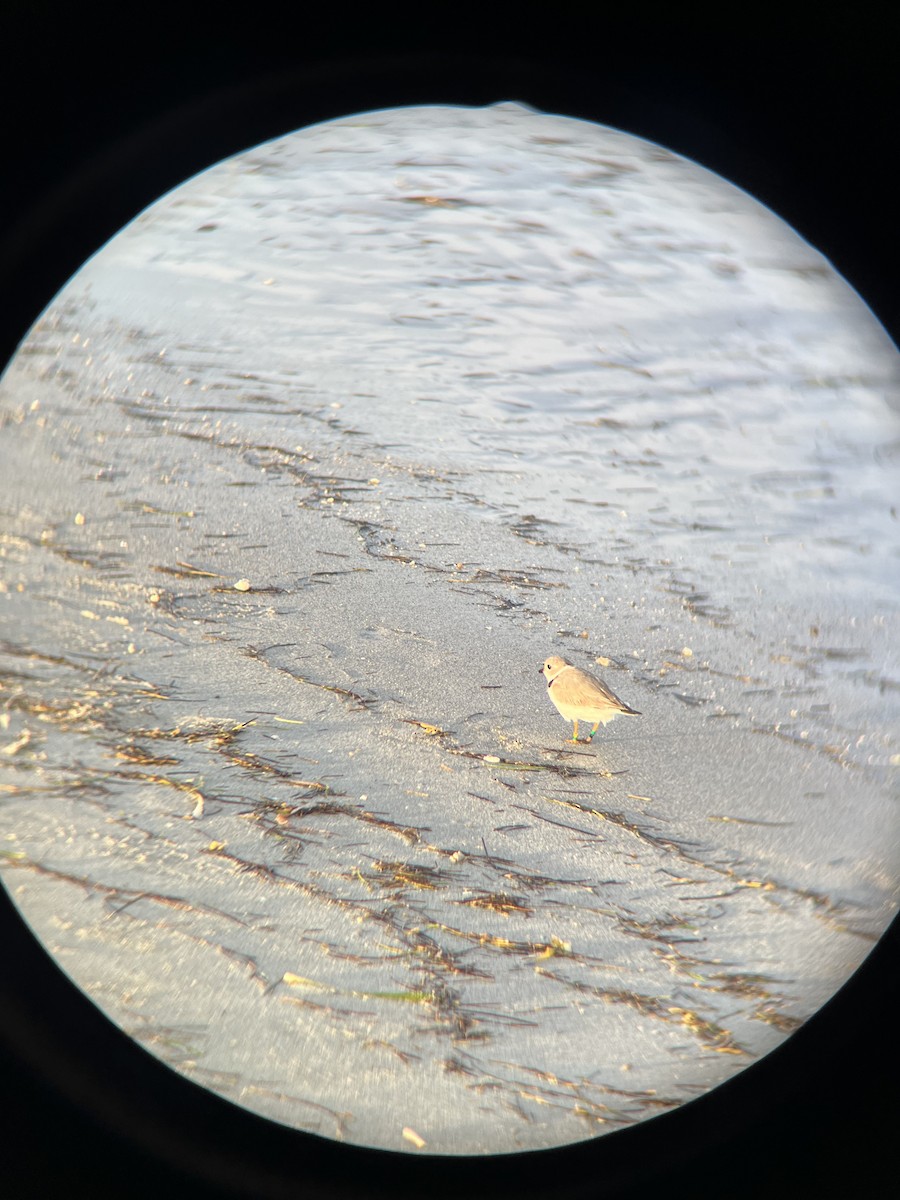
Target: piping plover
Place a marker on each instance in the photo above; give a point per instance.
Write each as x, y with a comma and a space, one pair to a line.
582, 697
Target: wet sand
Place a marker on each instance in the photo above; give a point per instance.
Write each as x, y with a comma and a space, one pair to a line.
277, 756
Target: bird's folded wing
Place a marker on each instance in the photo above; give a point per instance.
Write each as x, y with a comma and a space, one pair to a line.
582, 689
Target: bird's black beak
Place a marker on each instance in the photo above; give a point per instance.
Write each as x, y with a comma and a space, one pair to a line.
541, 669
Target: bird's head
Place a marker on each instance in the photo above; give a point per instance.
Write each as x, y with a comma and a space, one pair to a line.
552, 666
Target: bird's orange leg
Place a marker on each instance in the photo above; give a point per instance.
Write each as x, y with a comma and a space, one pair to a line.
575, 734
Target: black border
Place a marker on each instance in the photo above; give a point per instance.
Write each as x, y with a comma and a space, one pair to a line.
100, 114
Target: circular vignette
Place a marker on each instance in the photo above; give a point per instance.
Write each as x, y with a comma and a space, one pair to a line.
793, 1055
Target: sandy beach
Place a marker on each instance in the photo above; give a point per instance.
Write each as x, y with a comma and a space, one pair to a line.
303, 478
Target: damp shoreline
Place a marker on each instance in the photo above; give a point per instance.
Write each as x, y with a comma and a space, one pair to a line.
276, 753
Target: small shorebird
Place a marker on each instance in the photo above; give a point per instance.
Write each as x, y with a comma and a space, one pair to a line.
582, 697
